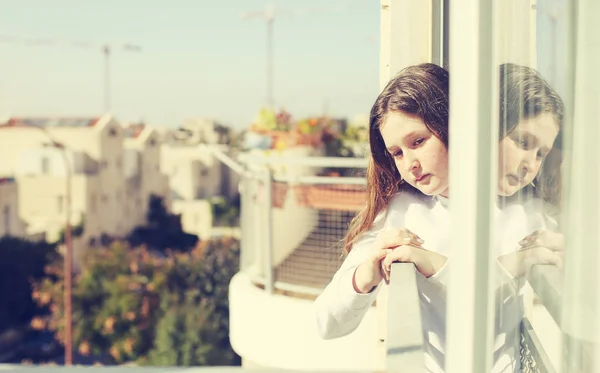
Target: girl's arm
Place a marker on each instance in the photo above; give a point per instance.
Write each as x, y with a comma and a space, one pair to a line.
340, 309
343, 304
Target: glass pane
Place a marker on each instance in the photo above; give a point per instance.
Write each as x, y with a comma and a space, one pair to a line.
546, 229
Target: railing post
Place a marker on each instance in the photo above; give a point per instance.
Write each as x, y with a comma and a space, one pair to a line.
245, 219
267, 220
404, 333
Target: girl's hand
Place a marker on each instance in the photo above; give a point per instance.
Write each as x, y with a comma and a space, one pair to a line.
548, 239
520, 262
370, 273
428, 263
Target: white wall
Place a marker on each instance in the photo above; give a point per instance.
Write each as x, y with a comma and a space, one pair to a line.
10, 223
196, 216
51, 161
131, 163
194, 173
279, 331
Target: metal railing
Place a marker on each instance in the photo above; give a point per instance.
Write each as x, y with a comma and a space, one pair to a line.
294, 215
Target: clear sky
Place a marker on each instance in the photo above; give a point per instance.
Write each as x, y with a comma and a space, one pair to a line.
198, 59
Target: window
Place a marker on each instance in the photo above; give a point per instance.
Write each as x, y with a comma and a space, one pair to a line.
6, 212
60, 204
542, 35
45, 165
112, 132
93, 203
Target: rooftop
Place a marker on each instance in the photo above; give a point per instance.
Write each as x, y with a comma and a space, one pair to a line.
134, 130
50, 122
7, 179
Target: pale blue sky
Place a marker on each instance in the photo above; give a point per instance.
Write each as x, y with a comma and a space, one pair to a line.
199, 58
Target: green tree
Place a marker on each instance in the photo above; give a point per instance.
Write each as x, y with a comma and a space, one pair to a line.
198, 284
115, 301
170, 309
178, 340
226, 212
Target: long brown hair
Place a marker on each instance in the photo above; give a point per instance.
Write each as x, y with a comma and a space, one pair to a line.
525, 94
420, 90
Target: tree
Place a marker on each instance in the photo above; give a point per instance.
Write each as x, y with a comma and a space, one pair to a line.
21, 262
166, 310
178, 341
115, 301
76, 231
226, 212
198, 287
163, 230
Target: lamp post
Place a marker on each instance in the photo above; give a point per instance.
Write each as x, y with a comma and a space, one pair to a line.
68, 257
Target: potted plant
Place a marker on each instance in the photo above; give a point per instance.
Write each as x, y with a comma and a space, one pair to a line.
341, 197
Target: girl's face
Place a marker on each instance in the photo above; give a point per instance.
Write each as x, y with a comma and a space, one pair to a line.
421, 158
522, 151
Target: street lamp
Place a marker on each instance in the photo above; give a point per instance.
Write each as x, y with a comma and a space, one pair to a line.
68, 257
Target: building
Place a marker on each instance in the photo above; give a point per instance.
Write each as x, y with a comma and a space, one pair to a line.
10, 222
143, 176
195, 176
87, 155
194, 173
205, 131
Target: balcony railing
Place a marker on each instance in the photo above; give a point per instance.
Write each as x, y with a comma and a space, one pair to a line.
294, 217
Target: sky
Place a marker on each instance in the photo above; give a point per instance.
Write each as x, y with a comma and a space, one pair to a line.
198, 59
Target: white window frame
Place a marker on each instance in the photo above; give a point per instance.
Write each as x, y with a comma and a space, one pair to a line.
473, 156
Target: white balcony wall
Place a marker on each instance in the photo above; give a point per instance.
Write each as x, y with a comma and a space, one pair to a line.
277, 331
